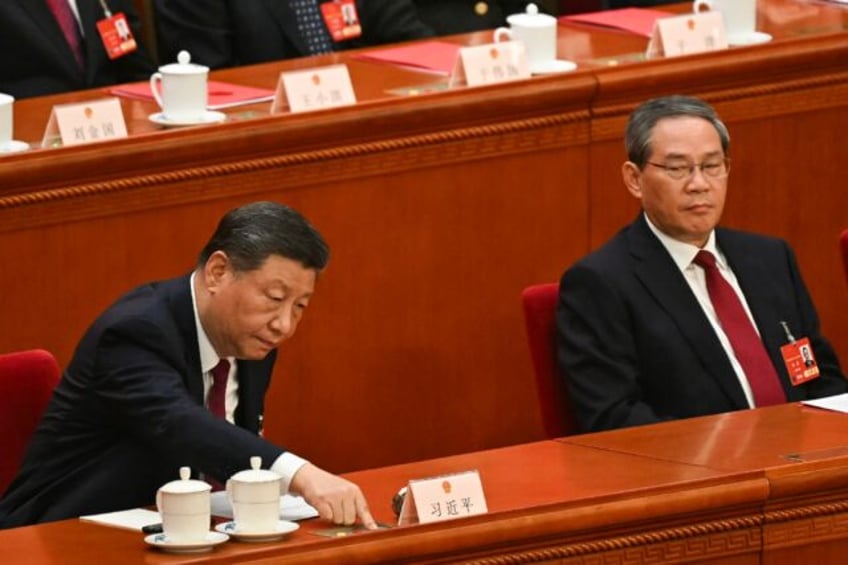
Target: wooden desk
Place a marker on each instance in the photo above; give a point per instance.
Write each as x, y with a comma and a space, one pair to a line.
801, 451
758, 486
439, 210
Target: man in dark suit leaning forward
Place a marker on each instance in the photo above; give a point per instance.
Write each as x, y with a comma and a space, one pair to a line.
131, 407
650, 329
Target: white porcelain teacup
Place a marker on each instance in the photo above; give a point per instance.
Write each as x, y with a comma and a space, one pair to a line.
7, 122
185, 507
740, 16
255, 497
184, 89
537, 31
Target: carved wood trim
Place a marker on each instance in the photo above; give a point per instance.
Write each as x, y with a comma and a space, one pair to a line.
799, 526
383, 157
717, 538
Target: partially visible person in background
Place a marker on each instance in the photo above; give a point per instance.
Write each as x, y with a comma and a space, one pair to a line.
228, 33
52, 46
608, 4
447, 17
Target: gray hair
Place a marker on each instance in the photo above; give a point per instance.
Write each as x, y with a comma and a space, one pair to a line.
252, 233
640, 126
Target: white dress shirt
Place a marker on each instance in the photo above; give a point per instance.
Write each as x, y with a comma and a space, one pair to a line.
682, 254
286, 464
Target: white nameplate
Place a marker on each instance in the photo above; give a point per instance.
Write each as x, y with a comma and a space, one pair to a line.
72, 124
446, 497
490, 64
687, 34
313, 89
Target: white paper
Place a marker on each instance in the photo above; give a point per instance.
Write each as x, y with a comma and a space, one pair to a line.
133, 519
837, 402
291, 507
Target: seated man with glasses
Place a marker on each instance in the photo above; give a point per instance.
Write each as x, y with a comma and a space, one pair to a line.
676, 317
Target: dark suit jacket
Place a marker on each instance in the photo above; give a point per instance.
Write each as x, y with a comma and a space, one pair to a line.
636, 347
225, 33
36, 59
460, 16
129, 412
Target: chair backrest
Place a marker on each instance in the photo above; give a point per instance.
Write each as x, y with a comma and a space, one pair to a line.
843, 243
27, 380
539, 303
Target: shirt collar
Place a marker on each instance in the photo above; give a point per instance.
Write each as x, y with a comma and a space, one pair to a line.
683, 253
208, 357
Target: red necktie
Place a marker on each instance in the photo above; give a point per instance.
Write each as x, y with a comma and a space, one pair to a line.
746, 344
216, 401
70, 29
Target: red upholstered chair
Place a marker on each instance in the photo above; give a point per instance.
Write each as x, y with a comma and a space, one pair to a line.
539, 303
27, 379
843, 242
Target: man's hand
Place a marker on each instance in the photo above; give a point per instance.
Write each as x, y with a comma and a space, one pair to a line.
336, 499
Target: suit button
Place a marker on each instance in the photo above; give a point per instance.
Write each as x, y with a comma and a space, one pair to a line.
481, 8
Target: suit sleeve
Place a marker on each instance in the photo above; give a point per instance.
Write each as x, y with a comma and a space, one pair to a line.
140, 384
832, 380
201, 27
596, 354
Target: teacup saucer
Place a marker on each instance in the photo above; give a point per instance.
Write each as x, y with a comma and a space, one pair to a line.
162, 542
281, 530
209, 117
13, 146
749, 38
553, 66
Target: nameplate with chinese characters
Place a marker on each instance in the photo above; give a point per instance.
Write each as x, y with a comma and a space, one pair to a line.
491, 63
313, 89
687, 34
72, 124
446, 497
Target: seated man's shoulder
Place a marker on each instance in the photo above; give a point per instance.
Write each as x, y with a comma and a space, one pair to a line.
750, 241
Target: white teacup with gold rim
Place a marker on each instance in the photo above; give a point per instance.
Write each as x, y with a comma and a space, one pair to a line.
255, 497
185, 507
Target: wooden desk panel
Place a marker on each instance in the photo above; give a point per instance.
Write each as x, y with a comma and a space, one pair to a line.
439, 210
548, 502
717, 489
802, 452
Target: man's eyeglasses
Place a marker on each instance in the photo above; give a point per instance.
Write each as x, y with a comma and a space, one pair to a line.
712, 169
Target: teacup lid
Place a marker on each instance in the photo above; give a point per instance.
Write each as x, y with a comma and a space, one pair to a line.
185, 484
531, 17
183, 65
255, 474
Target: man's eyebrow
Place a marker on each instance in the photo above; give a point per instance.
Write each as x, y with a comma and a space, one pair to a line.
684, 156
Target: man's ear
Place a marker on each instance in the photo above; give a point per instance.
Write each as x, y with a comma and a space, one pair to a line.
632, 177
216, 271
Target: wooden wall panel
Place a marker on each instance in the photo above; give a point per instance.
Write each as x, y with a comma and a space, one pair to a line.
414, 345
439, 210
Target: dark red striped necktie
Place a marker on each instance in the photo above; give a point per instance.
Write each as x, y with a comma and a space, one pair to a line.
70, 28
744, 340
216, 401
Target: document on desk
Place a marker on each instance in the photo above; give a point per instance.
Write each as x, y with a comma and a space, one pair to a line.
437, 57
132, 519
220, 95
838, 402
291, 507
634, 20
